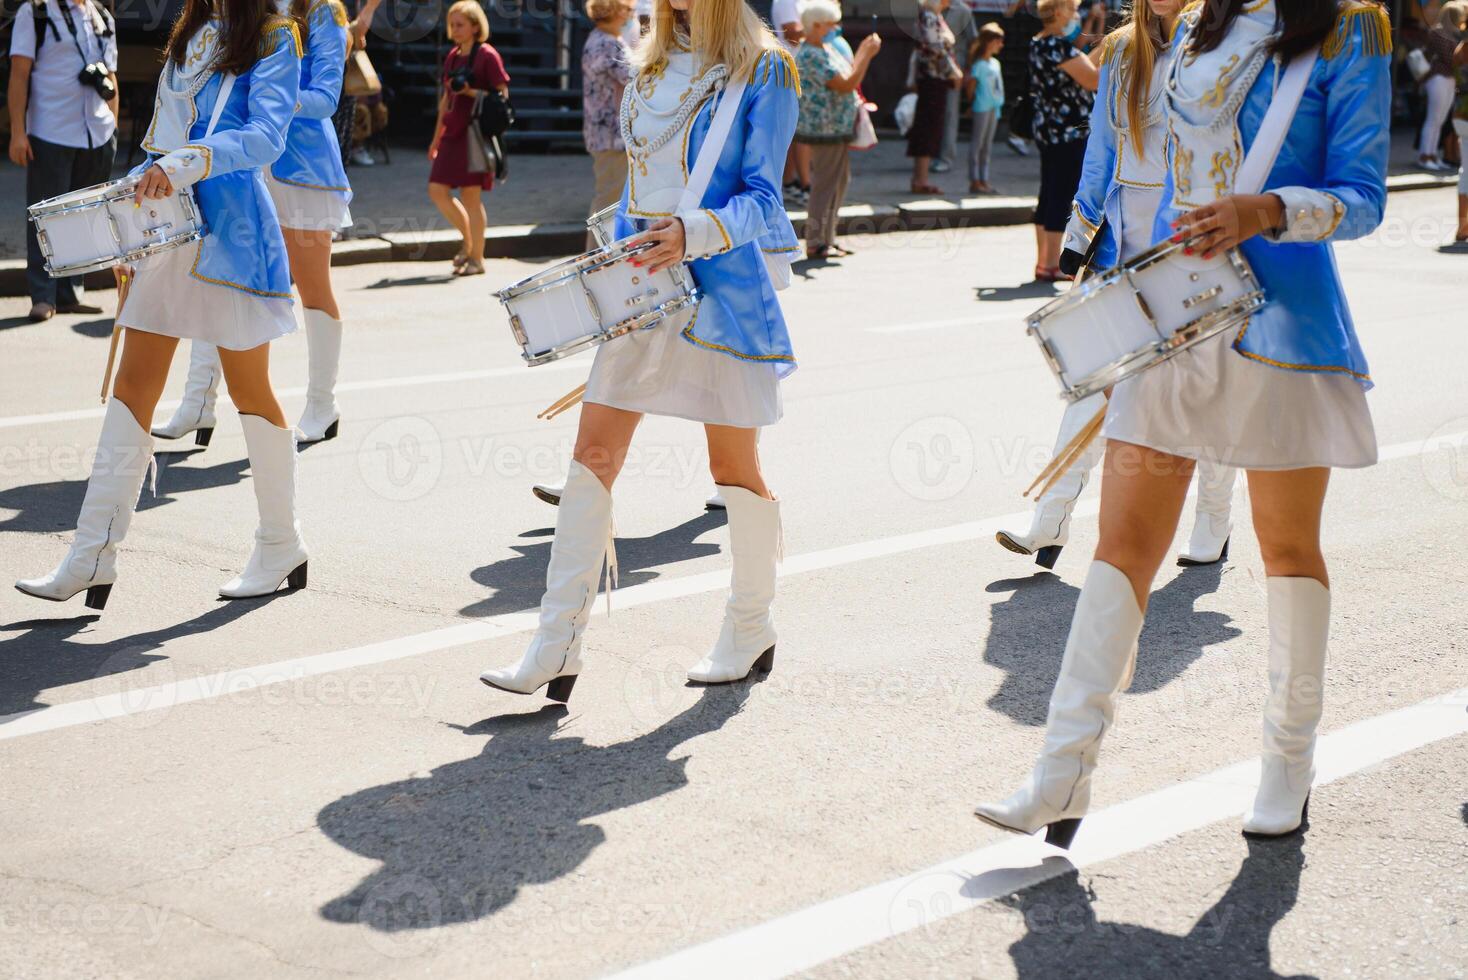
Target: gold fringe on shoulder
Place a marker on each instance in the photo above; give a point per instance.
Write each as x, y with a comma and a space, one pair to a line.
778, 66
268, 35
1376, 30
1114, 43
338, 12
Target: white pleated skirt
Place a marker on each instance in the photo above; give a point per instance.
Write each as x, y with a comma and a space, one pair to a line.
165, 299
658, 372
308, 208
1213, 403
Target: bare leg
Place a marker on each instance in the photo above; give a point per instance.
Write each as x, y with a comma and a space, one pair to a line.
442, 196
474, 207
734, 458
310, 258
1050, 249
143, 372
920, 171
602, 439
1142, 494
247, 373
1287, 505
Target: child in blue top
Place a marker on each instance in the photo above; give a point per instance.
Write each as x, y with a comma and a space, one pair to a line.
985, 92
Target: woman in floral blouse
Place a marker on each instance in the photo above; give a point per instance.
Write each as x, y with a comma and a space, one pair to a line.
937, 72
1062, 81
828, 108
605, 71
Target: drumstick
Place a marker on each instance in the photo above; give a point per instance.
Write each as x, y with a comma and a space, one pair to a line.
1064, 452
564, 408
564, 402
122, 286
1089, 433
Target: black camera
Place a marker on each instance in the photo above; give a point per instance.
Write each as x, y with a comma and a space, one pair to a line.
459, 80
99, 78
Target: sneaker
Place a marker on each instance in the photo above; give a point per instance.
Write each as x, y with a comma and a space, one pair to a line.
940, 167
41, 311
1018, 145
360, 157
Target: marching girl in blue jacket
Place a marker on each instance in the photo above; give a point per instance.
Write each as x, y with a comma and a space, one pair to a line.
225, 98
1120, 190
1283, 396
719, 363
309, 187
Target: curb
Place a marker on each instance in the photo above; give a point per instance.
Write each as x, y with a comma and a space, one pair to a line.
555, 240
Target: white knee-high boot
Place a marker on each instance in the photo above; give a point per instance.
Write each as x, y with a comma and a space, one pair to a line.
1099, 656
1213, 520
582, 543
1299, 625
195, 412
323, 354
124, 455
280, 551
747, 639
1050, 525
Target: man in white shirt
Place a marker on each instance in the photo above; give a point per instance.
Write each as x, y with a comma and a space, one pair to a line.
63, 121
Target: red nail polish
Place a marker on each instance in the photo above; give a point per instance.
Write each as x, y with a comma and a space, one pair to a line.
1188, 250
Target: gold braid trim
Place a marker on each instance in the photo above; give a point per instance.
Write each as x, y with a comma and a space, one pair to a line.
1194, 6
273, 24
1376, 30
776, 64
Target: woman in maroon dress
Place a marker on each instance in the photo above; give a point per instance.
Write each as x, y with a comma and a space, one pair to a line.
471, 67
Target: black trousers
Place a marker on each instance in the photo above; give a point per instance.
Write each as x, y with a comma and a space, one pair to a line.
54, 170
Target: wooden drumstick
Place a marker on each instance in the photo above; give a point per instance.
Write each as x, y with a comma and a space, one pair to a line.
1087, 435
567, 400
564, 408
123, 282
1065, 451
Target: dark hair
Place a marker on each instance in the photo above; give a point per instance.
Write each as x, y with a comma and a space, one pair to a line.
244, 24
1305, 23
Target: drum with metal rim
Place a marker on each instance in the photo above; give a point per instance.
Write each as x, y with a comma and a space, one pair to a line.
591, 299
602, 225
1144, 311
99, 227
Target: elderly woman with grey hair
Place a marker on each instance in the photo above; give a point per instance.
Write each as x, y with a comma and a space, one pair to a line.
828, 115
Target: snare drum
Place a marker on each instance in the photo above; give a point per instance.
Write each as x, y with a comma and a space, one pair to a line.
97, 227
602, 225
591, 299
1140, 313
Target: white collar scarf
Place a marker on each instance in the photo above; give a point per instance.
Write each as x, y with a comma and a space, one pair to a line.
174, 113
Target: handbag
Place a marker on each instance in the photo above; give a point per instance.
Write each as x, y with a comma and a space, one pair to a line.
865, 136
493, 113
777, 265
360, 78
1418, 64
478, 158
1022, 117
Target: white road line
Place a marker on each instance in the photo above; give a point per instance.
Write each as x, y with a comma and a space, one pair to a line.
210, 686
15, 421
807, 938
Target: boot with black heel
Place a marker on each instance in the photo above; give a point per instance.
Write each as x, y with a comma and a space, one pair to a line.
1299, 624
1213, 520
583, 543
1050, 524
1099, 656
124, 456
279, 557
195, 412
746, 641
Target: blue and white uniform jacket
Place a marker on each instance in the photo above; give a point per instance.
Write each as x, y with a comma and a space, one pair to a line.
243, 248
312, 156
741, 221
1330, 173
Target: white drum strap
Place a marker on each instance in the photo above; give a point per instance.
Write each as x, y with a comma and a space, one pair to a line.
226, 85
713, 146
1259, 161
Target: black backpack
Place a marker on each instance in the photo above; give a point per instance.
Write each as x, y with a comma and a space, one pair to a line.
493, 112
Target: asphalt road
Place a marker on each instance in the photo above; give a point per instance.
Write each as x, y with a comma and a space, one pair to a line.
317, 784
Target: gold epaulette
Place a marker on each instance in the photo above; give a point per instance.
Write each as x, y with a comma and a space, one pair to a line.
269, 39
1376, 30
338, 12
1115, 43
776, 65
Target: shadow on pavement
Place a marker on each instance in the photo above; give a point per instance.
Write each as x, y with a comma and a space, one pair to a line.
54, 506
519, 582
458, 844
1029, 290
46, 653
1063, 936
1027, 635
93, 328
410, 281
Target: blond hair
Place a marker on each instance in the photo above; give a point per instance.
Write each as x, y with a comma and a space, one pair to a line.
1136, 46
1047, 9
721, 32
1453, 14
474, 13
603, 10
